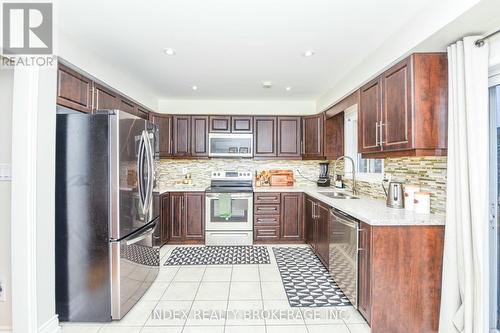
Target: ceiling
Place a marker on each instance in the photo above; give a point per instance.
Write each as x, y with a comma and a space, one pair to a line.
227, 48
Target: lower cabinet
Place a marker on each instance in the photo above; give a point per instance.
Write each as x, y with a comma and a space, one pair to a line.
278, 218
317, 226
183, 217
164, 217
364, 291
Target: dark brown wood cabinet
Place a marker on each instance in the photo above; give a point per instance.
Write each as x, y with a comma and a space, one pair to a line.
104, 98
403, 112
199, 136
187, 219
142, 112
265, 136
364, 268
278, 217
181, 136
127, 106
220, 124
164, 123
292, 218
241, 124
312, 136
317, 226
289, 138
74, 90
334, 137
164, 217
400, 271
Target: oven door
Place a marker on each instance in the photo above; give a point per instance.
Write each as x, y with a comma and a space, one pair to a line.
241, 212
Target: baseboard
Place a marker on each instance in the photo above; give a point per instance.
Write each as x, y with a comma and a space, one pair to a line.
50, 326
5, 329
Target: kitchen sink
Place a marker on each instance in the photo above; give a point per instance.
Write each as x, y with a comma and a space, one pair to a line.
338, 195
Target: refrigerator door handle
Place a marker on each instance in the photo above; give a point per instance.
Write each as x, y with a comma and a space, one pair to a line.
140, 172
149, 161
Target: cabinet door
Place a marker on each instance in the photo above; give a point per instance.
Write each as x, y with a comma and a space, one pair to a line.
322, 233
74, 90
104, 98
194, 216
165, 218
127, 106
310, 221
264, 136
220, 124
142, 113
334, 136
199, 136
164, 123
369, 114
364, 271
182, 136
289, 137
176, 216
241, 124
291, 217
397, 108
312, 136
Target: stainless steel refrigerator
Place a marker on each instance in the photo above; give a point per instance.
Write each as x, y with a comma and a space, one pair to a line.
107, 214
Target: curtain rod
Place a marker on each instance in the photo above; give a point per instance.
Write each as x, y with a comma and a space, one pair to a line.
480, 42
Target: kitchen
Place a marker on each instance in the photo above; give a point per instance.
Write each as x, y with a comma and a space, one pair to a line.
292, 188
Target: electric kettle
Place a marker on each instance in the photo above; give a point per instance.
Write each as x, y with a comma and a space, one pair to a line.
394, 194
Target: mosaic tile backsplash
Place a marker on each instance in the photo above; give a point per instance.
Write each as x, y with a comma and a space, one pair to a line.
428, 172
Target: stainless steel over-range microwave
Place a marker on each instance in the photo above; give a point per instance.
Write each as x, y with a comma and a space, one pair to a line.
230, 145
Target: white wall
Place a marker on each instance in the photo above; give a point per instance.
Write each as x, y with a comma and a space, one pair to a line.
425, 24
104, 70
6, 83
255, 107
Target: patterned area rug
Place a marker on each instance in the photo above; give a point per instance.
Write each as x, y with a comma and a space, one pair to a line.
218, 255
307, 282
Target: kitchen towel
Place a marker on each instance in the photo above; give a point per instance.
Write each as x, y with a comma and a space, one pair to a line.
225, 206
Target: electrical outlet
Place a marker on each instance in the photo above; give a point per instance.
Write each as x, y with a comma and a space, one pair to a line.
3, 292
184, 171
297, 170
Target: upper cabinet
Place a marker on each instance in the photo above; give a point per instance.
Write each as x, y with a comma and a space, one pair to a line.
220, 124
78, 92
265, 136
199, 136
403, 112
241, 124
74, 90
334, 137
289, 137
231, 124
181, 136
312, 136
164, 123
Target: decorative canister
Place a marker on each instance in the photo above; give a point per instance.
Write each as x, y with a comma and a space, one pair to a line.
410, 191
422, 202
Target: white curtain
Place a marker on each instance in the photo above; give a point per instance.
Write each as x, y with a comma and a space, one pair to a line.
465, 289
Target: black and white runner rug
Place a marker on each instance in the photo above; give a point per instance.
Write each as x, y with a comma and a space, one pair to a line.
307, 282
218, 255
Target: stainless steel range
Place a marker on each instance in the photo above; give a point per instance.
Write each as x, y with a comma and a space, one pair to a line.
229, 208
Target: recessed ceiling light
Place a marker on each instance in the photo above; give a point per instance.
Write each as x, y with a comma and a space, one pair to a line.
308, 53
169, 51
195, 87
267, 84
288, 88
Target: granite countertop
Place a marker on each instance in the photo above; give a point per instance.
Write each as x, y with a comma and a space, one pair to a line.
369, 210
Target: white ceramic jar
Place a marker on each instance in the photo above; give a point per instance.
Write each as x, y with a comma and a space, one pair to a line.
422, 202
409, 193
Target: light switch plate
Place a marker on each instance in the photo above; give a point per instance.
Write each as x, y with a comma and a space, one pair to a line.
3, 292
5, 172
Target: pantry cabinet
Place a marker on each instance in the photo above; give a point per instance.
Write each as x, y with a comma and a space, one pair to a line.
403, 112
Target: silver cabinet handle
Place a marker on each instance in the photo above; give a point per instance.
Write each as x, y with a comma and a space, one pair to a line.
376, 134
381, 132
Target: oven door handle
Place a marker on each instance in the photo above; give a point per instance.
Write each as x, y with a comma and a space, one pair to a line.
233, 195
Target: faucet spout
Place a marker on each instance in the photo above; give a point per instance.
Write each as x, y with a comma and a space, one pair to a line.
353, 171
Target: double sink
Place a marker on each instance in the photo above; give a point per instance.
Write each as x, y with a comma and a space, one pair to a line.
338, 195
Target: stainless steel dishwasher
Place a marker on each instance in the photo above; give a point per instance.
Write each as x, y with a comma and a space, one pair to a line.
344, 253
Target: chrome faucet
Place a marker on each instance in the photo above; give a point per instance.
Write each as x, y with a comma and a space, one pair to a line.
353, 171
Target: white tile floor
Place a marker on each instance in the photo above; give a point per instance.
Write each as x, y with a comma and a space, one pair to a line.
223, 299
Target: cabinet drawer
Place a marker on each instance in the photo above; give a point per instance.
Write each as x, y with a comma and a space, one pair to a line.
270, 209
266, 220
267, 198
267, 233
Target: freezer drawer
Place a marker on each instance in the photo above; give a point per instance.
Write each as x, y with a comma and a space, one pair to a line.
135, 263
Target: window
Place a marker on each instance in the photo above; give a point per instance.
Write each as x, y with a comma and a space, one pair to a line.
366, 168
